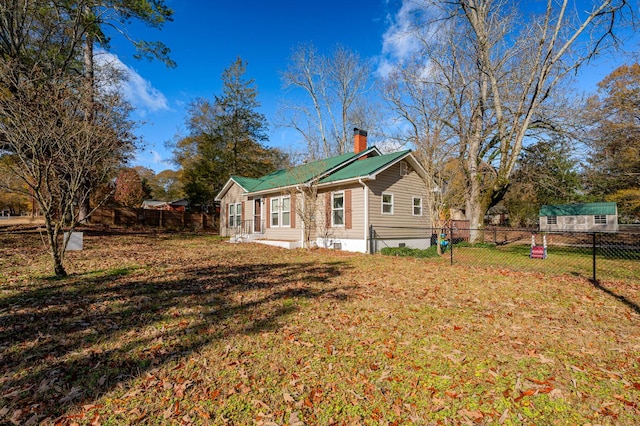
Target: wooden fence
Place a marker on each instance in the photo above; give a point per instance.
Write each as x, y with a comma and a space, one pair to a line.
152, 218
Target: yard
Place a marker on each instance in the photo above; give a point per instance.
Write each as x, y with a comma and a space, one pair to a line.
189, 329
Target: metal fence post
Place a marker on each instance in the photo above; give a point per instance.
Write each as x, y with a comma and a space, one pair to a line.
594, 257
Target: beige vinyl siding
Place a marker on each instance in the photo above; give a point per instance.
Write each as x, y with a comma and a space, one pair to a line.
281, 233
357, 213
234, 195
404, 189
582, 223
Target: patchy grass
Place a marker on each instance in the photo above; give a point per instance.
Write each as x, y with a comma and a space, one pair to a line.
188, 329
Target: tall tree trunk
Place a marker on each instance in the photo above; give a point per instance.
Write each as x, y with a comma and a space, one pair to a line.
474, 210
84, 202
54, 246
473, 202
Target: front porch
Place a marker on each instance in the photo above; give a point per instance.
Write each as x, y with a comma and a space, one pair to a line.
250, 231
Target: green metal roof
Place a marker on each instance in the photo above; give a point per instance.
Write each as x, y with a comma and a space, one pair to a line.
298, 174
366, 167
245, 182
584, 209
305, 172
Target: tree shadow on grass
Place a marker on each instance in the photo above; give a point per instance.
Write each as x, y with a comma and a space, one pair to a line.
626, 301
65, 343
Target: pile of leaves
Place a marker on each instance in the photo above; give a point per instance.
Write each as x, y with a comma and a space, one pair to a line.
188, 329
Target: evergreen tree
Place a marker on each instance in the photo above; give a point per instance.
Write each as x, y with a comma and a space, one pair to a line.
546, 174
226, 137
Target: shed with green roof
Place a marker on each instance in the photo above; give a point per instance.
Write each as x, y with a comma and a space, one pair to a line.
582, 217
331, 202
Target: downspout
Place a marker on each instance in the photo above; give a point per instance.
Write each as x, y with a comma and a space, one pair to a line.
295, 211
366, 214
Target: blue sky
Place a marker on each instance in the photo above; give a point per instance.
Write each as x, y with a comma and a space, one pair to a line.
205, 37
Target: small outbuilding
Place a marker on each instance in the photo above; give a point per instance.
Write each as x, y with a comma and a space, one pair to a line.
584, 217
176, 205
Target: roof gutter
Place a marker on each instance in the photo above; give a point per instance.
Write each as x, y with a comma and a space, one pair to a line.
343, 181
279, 189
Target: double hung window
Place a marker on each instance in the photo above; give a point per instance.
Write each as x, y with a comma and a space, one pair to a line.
337, 209
281, 212
387, 203
235, 214
417, 206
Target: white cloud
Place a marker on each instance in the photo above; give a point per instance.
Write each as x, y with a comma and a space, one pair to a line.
388, 146
152, 159
405, 35
399, 40
138, 91
156, 157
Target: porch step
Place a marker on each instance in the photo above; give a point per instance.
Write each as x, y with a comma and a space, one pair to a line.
243, 238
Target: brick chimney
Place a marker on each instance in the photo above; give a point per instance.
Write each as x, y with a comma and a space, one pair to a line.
359, 140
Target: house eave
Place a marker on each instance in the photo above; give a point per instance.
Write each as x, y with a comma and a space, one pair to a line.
344, 164
355, 179
272, 190
414, 163
319, 177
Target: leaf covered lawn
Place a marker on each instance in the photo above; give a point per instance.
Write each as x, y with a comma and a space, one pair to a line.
189, 329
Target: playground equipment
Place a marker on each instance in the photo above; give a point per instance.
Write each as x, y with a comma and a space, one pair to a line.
443, 242
538, 252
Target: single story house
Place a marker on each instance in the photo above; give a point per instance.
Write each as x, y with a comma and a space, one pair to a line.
331, 203
176, 205
585, 217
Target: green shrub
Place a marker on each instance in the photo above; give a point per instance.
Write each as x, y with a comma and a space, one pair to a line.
410, 252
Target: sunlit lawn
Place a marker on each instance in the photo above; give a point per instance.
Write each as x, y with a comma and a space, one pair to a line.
610, 264
187, 329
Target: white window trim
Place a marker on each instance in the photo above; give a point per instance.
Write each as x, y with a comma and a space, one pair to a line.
279, 212
413, 206
272, 212
552, 220
333, 224
599, 216
235, 217
283, 211
231, 217
383, 203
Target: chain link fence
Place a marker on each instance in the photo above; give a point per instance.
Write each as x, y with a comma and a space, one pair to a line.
595, 256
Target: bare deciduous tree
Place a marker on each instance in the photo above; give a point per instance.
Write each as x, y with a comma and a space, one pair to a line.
51, 147
333, 100
500, 71
305, 206
421, 110
304, 198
